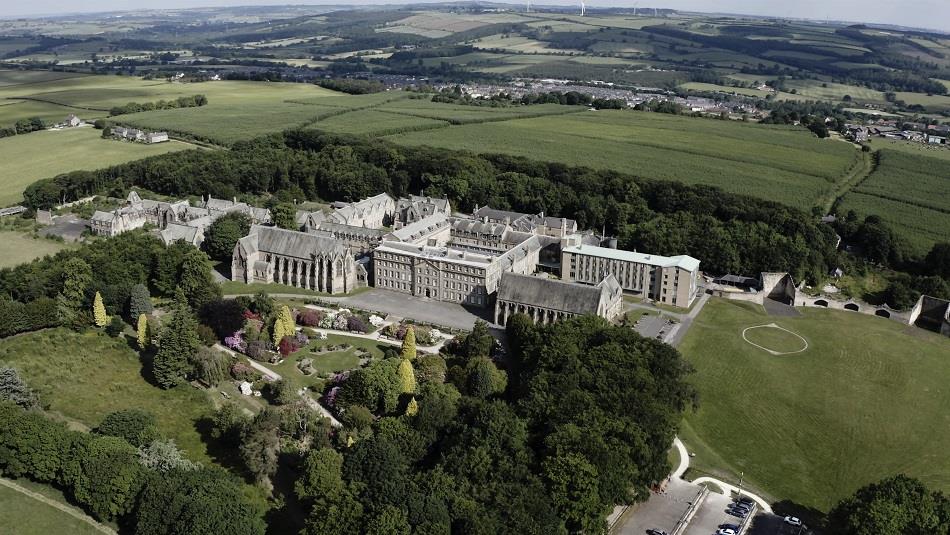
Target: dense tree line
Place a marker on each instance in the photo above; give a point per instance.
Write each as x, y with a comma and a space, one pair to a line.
113, 479
898, 505
59, 289
193, 101
352, 86
569, 98
313, 165
454, 444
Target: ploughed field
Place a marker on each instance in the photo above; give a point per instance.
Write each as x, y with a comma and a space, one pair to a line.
866, 399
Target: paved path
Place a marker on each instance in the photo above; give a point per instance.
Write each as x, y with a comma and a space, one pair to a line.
678, 332
728, 488
71, 511
315, 405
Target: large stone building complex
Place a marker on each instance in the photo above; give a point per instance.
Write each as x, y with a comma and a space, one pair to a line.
173, 218
548, 300
669, 280
300, 259
415, 207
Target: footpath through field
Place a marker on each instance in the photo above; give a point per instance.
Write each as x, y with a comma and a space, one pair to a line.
71, 511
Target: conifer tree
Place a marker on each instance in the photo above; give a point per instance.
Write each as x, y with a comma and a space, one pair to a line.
142, 331
412, 408
99, 311
407, 377
409, 344
284, 324
77, 275
178, 343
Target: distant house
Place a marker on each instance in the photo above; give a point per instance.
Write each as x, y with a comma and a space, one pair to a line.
156, 137
936, 140
72, 120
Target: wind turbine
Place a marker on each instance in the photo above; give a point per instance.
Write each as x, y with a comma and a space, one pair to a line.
527, 8
583, 8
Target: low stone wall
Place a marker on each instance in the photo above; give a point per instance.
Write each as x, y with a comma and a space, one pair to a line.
853, 305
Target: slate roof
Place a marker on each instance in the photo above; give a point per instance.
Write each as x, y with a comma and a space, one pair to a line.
420, 229
290, 243
175, 232
553, 294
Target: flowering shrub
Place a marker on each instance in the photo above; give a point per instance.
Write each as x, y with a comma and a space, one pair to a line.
355, 324
236, 342
301, 339
423, 334
330, 398
309, 317
243, 372
340, 322
258, 350
327, 321
339, 378
248, 315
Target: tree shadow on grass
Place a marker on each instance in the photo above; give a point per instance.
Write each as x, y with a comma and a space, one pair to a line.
290, 516
220, 451
811, 517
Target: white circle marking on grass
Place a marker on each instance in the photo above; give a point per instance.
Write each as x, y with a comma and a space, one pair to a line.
774, 326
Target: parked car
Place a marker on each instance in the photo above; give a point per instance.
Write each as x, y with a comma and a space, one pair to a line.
744, 506
747, 501
726, 532
741, 513
656, 532
793, 521
733, 527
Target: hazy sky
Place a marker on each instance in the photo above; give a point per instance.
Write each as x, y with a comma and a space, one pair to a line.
921, 13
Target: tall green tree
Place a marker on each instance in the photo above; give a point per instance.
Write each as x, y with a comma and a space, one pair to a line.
321, 475
197, 281
14, 389
77, 276
893, 506
108, 477
177, 345
284, 215
478, 342
223, 235
140, 302
138, 427
407, 377
141, 332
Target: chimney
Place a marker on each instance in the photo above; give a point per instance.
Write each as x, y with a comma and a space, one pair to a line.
234, 200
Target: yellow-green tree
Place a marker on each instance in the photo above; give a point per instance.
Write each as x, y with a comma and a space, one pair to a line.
283, 325
142, 331
409, 344
412, 408
407, 377
99, 311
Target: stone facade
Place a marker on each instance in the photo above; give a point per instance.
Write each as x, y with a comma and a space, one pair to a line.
415, 207
300, 259
668, 280
448, 273
556, 227
373, 212
548, 300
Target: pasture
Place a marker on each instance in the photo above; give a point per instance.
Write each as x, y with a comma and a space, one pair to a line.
19, 248
436, 25
780, 163
30, 157
84, 376
33, 517
908, 191
791, 422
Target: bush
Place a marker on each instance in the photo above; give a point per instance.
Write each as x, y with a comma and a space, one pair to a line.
258, 350
136, 426
280, 392
356, 324
430, 369
288, 345
309, 317
206, 335
115, 327
243, 372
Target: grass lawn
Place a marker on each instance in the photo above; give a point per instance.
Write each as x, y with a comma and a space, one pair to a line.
47, 153
329, 362
33, 517
20, 247
83, 377
866, 400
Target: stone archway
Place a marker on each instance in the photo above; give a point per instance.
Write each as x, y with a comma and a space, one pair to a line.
821, 303
852, 306
882, 313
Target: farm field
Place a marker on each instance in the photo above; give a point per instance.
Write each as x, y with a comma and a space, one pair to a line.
19, 247
917, 149
908, 192
83, 377
33, 517
699, 86
780, 163
30, 157
437, 25
786, 421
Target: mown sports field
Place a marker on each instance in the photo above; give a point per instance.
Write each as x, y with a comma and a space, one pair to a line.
792, 423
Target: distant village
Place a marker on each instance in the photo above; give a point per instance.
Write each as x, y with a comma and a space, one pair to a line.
929, 134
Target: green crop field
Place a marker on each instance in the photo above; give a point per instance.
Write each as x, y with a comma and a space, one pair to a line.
26, 515
83, 377
909, 192
698, 86
44, 154
785, 164
866, 400
375, 122
18, 248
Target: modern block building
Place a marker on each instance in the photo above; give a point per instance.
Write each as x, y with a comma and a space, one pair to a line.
549, 300
670, 280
